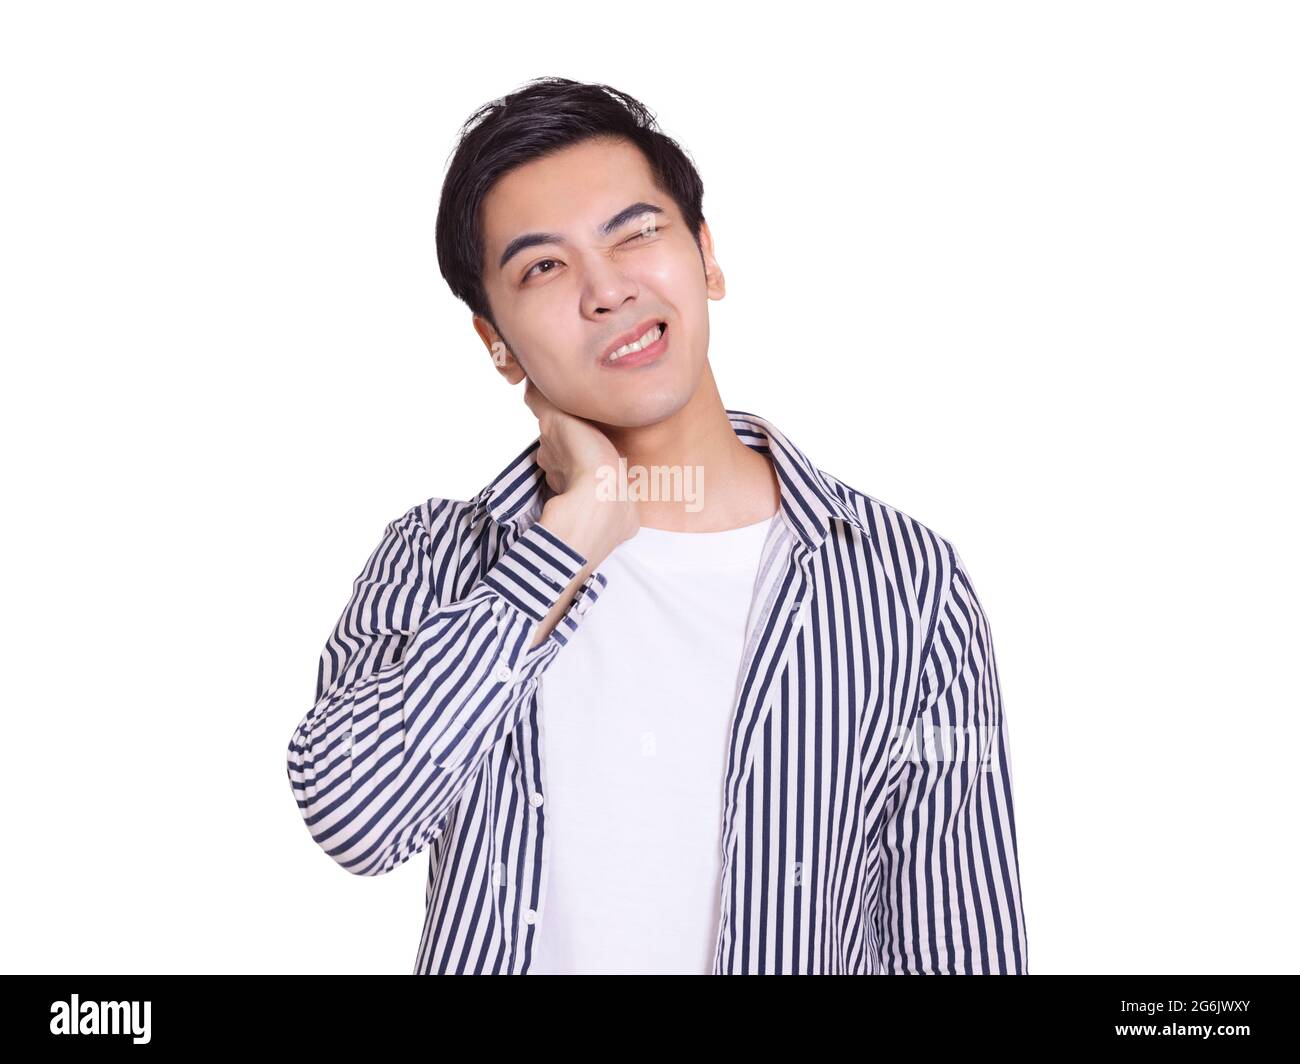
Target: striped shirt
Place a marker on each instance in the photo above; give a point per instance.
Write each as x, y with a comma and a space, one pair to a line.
867, 820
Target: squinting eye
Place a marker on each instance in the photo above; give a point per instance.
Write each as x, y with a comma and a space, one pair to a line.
641, 235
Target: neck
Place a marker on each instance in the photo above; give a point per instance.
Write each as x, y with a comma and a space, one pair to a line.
725, 484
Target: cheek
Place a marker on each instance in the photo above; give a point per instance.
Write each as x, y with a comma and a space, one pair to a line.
675, 270
684, 284
562, 369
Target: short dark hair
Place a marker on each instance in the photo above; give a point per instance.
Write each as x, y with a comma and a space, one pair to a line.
544, 116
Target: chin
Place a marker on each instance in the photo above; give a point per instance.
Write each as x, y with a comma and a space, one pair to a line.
634, 411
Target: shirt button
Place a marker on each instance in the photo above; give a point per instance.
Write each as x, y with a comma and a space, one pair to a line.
794, 606
504, 673
536, 798
530, 917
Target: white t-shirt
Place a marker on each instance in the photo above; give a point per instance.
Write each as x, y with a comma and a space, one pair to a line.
636, 721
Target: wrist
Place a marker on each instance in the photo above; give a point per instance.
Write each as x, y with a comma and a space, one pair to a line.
592, 525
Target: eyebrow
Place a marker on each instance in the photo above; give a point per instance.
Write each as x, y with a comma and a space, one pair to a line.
528, 240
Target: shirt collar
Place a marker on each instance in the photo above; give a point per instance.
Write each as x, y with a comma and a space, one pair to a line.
808, 499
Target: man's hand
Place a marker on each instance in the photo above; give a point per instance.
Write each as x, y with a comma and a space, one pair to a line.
572, 453
571, 447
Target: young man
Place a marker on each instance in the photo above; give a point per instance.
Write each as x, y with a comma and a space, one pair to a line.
753, 726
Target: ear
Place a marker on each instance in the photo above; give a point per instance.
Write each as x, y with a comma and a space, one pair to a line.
715, 282
502, 357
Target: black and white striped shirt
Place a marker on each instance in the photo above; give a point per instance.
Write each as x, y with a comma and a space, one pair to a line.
868, 825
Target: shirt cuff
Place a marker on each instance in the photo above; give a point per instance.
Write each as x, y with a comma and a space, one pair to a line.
533, 573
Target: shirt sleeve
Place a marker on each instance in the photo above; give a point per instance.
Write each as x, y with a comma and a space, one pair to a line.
949, 899
411, 694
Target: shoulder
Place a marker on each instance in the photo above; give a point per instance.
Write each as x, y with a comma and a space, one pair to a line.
426, 542
437, 515
425, 522
896, 532
907, 549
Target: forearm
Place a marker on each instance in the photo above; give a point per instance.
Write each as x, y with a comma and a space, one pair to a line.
409, 697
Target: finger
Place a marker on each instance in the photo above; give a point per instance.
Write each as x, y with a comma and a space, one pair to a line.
538, 403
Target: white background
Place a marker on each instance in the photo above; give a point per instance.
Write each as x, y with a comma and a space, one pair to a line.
1025, 271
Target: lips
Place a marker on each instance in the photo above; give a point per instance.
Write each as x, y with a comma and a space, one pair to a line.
633, 334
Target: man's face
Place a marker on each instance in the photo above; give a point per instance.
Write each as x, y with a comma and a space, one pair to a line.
563, 300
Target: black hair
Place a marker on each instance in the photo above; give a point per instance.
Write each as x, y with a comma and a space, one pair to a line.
544, 116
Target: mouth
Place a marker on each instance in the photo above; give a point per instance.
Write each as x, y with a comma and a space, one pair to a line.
643, 344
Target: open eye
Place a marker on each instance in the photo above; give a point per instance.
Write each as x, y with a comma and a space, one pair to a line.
535, 265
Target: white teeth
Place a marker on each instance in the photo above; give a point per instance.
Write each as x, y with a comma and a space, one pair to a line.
650, 336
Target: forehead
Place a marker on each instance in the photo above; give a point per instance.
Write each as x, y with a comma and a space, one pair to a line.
572, 191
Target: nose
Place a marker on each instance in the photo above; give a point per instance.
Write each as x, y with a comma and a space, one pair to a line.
607, 288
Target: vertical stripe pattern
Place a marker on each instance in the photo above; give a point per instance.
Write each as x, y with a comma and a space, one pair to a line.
868, 825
